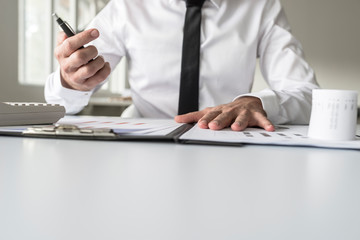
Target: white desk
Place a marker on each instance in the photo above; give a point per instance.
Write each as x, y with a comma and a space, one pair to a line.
65, 189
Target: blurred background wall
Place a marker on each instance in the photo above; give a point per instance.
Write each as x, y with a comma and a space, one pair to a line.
329, 31
10, 89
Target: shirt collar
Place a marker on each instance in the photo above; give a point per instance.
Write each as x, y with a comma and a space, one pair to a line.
216, 3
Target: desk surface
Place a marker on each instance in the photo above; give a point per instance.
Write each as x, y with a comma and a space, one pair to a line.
65, 189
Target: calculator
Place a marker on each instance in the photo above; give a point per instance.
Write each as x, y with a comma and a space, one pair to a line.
27, 113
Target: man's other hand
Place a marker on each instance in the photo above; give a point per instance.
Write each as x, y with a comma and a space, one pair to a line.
242, 113
80, 68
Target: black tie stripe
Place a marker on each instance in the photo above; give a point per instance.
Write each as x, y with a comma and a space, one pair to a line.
189, 82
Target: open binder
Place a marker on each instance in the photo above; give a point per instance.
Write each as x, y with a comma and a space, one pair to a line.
120, 129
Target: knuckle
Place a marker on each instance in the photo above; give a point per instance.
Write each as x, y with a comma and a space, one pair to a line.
68, 45
88, 70
73, 79
230, 115
215, 111
94, 50
108, 67
245, 112
57, 53
66, 67
91, 52
229, 109
106, 72
80, 55
102, 75
99, 63
61, 36
101, 60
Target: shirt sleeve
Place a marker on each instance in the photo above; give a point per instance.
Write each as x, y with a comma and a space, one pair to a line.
282, 63
73, 101
109, 45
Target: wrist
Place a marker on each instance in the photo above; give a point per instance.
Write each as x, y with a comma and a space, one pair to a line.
64, 83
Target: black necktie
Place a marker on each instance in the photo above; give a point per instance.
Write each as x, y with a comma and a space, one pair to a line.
189, 84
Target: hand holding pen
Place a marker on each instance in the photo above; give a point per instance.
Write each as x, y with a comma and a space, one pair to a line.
80, 67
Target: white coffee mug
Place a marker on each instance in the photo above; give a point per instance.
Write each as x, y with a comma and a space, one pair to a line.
333, 115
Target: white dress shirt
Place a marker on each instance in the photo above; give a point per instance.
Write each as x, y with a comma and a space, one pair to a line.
234, 33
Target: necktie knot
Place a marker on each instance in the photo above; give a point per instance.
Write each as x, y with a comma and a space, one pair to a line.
194, 3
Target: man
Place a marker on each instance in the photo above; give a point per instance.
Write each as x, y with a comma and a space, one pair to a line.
150, 34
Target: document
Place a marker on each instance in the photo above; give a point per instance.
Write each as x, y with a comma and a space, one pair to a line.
288, 135
117, 129
141, 126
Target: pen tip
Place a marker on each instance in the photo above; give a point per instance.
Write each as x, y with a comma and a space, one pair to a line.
55, 15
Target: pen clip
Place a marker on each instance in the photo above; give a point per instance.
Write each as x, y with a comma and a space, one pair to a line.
70, 28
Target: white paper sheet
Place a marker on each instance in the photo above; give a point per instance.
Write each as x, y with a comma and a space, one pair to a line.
289, 135
284, 135
119, 125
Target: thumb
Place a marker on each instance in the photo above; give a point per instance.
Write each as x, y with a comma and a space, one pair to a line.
189, 117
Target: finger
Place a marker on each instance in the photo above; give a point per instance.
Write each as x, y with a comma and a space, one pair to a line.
60, 38
207, 118
82, 56
89, 70
72, 44
264, 122
241, 122
98, 78
189, 117
222, 121
58, 52
90, 83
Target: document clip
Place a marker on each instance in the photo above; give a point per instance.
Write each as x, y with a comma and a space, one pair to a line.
70, 131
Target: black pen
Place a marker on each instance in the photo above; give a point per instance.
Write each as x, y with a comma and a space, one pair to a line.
64, 26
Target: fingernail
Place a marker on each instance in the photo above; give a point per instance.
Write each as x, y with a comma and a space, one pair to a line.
95, 33
203, 122
271, 127
238, 124
216, 123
